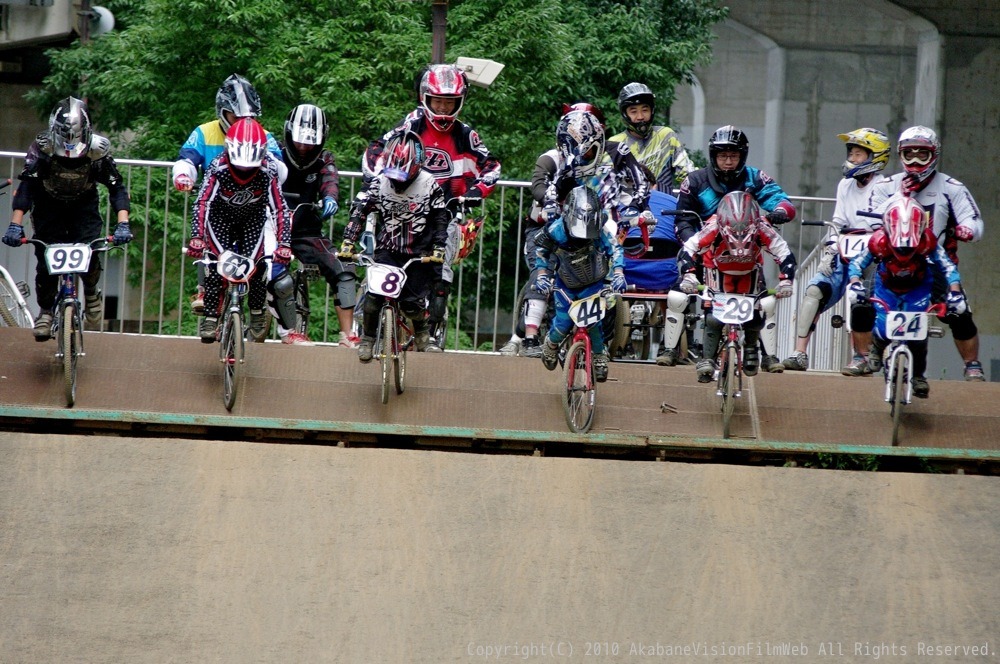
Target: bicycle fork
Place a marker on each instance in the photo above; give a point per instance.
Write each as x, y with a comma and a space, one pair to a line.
889, 370
734, 344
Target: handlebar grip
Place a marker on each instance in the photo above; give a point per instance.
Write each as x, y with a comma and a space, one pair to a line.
6, 183
812, 223
870, 215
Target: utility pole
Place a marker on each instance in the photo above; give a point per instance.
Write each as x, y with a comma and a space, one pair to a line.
439, 26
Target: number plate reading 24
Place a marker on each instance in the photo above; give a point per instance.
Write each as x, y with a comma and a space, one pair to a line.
386, 280
588, 311
732, 309
67, 258
234, 267
906, 325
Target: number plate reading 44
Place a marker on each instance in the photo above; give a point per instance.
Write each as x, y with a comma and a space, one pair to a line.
906, 325
234, 267
732, 309
386, 280
68, 258
588, 311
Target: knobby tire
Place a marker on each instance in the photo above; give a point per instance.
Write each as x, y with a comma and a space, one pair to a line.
899, 380
387, 348
399, 357
70, 351
729, 389
579, 403
232, 354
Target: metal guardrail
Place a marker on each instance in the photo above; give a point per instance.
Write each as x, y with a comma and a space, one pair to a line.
146, 289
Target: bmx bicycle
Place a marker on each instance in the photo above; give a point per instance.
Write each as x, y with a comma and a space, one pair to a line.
903, 328
69, 261
394, 335
236, 271
733, 311
580, 398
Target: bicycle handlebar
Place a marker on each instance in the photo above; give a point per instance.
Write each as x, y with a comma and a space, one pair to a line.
939, 309
104, 243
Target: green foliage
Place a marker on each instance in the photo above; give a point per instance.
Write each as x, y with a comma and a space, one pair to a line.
359, 60
867, 462
151, 81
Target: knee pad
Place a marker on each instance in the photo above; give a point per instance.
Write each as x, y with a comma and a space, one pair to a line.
347, 292
962, 326
411, 310
438, 306
769, 330
282, 291
863, 317
372, 306
673, 323
805, 322
534, 312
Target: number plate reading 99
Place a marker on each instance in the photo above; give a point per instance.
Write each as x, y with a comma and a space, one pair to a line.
234, 267
588, 311
906, 325
732, 309
386, 280
68, 258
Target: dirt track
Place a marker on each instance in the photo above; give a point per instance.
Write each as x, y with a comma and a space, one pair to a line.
116, 549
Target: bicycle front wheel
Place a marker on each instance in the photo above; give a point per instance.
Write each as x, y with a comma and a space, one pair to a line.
727, 376
232, 355
399, 358
13, 313
302, 303
579, 403
70, 351
899, 379
387, 349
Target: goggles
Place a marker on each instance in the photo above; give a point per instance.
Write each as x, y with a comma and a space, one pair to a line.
916, 156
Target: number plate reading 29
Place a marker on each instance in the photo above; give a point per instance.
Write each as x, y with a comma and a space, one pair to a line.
67, 258
234, 267
906, 325
386, 280
732, 309
588, 311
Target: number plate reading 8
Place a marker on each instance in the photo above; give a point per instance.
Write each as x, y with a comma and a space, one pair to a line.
386, 280
906, 325
68, 258
588, 311
852, 245
234, 267
732, 309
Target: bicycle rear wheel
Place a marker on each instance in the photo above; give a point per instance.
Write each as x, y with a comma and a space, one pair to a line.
11, 310
231, 353
70, 348
899, 379
399, 357
302, 310
387, 348
727, 378
579, 403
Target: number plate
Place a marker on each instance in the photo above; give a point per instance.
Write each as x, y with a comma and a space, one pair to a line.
906, 325
68, 258
234, 267
732, 309
853, 244
588, 311
386, 280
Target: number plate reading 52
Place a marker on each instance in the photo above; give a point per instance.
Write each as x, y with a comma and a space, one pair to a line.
68, 258
386, 280
588, 311
732, 309
906, 325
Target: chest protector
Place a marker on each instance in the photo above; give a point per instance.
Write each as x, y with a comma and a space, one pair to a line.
67, 182
581, 267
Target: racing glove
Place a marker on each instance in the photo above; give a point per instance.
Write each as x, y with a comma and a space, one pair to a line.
618, 283
437, 254
957, 304
963, 233
689, 284
778, 217
330, 207
856, 293
196, 247
183, 183
282, 255
123, 234
784, 289
346, 248
14, 235
543, 283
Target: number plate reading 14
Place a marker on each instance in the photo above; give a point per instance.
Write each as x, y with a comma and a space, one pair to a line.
68, 258
588, 311
906, 325
386, 280
234, 267
853, 244
732, 309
